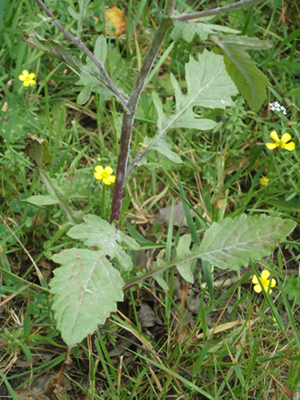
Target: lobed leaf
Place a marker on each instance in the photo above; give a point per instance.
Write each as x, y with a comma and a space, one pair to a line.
292, 288
235, 242
98, 232
187, 30
85, 291
232, 243
86, 287
208, 85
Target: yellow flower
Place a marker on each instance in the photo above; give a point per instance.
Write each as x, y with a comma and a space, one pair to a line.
264, 180
281, 142
27, 78
263, 282
104, 175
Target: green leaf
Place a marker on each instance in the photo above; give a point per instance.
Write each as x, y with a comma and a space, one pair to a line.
233, 243
38, 150
283, 205
183, 251
294, 92
292, 288
52, 47
250, 81
100, 49
41, 200
187, 30
97, 232
208, 85
85, 94
15, 206
92, 82
159, 277
75, 185
243, 42
73, 13
162, 147
86, 289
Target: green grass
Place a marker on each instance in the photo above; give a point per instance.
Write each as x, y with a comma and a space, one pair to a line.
245, 354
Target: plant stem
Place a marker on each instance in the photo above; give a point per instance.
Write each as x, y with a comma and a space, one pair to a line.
95, 60
128, 118
215, 11
170, 7
48, 182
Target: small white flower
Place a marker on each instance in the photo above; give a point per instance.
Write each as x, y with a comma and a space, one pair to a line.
277, 107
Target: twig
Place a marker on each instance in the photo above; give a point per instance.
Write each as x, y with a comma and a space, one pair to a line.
215, 11
95, 60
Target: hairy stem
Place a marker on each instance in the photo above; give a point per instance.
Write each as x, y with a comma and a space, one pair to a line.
215, 11
128, 118
79, 44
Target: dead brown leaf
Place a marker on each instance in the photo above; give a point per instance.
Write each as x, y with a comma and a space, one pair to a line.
164, 215
116, 18
27, 394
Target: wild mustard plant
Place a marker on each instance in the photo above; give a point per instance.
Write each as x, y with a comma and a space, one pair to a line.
87, 279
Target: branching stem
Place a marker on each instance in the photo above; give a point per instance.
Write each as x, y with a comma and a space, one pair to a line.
128, 118
215, 11
95, 60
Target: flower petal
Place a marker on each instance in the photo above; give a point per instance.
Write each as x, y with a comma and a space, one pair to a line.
21, 77
112, 178
25, 73
257, 288
286, 137
265, 274
271, 146
32, 75
26, 83
290, 146
99, 169
98, 176
254, 279
109, 170
274, 136
273, 282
